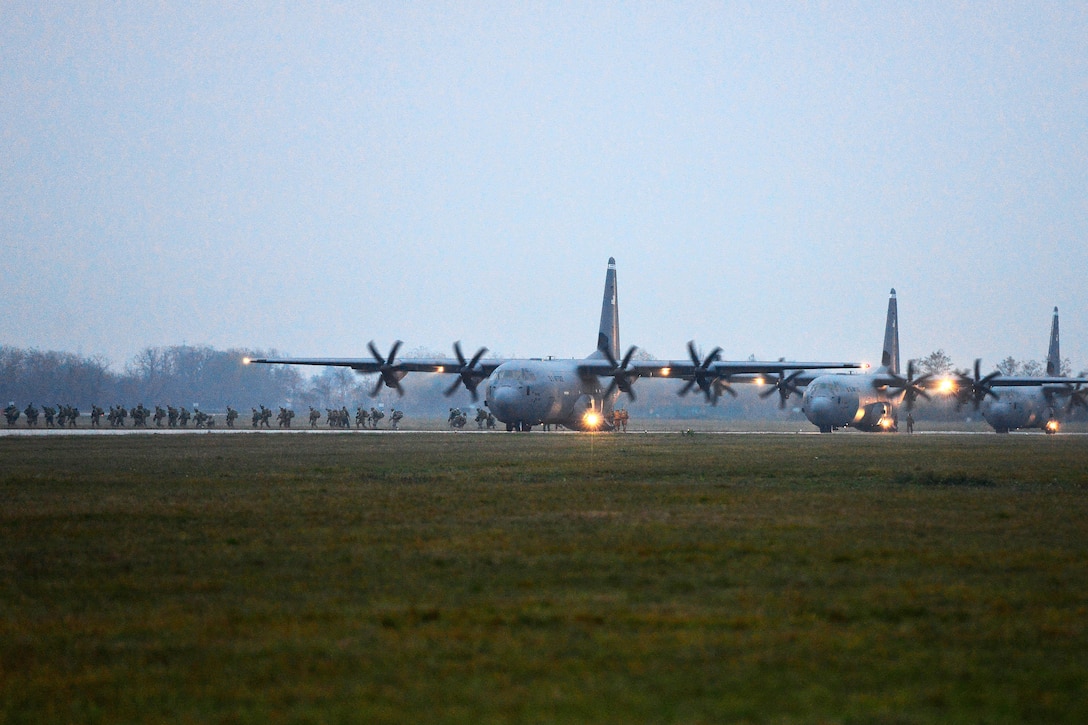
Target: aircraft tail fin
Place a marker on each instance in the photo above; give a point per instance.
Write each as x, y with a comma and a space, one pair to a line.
1054, 355
889, 358
608, 338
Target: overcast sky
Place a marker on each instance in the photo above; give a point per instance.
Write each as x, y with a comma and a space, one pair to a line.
311, 176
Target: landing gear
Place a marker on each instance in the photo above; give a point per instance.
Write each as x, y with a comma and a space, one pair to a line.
825, 429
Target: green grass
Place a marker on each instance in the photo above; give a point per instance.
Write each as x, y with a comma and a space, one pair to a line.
511, 578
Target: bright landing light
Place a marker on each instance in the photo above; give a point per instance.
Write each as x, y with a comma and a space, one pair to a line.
945, 386
592, 420
246, 361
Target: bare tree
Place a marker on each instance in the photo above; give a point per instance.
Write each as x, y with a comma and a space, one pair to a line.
1032, 368
935, 363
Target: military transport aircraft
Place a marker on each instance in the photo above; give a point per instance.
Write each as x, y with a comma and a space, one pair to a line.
866, 401
525, 393
1025, 401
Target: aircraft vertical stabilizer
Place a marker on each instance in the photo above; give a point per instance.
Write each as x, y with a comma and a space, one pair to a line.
1053, 355
609, 336
889, 358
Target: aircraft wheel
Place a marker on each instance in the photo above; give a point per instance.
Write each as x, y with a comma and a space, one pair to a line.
825, 429
509, 427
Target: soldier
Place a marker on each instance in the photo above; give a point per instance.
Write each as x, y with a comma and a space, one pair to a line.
396, 418
31, 414
315, 417
266, 417
256, 418
481, 418
375, 416
160, 414
183, 417
50, 415
360, 417
11, 413
171, 416
232, 415
490, 421
72, 414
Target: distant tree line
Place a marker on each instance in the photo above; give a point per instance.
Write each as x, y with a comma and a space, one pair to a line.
182, 375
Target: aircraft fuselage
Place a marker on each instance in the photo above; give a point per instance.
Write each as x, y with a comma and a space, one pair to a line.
1023, 408
838, 401
526, 393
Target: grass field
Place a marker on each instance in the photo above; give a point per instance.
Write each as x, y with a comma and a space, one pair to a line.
544, 578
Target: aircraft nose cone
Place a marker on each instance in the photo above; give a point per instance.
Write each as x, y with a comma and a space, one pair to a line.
502, 402
820, 411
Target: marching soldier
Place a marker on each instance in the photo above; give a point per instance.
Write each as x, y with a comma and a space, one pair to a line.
11, 413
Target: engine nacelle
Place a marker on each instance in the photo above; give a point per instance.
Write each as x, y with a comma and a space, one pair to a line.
876, 418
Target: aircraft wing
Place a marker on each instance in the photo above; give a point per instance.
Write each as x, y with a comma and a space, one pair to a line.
1056, 383
710, 374
391, 370
370, 365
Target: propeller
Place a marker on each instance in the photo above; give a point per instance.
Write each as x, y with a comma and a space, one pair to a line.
387, 372
468, 374
1078, 396
783, 385
976, 389
707, 381
911, 387
622, 377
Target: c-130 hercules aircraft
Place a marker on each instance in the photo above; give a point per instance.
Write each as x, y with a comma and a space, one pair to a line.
525, 393
1025, 401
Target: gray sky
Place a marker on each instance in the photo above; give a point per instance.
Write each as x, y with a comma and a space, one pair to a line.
308, 177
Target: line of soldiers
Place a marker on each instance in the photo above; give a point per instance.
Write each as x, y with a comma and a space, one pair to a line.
63, 416
458, 419
66, 416
341, 418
